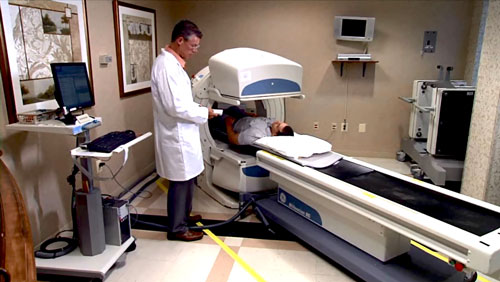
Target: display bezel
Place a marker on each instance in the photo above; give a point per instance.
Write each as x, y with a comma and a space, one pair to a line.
60, 98
341, 21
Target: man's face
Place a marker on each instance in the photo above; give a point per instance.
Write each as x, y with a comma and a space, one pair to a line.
277, 126
188, 47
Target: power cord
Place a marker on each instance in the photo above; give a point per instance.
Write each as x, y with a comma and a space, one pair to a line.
243, 209
47, 253
125, 189
70, 243
133, 222
199, 228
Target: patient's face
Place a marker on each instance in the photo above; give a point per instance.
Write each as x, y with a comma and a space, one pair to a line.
277, 126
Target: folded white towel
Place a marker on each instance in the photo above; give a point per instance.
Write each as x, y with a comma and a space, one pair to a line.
298, 146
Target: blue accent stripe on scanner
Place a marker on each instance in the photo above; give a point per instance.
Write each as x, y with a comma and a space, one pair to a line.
255, 171
268, 86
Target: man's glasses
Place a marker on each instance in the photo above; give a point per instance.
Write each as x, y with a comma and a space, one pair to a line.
192, 46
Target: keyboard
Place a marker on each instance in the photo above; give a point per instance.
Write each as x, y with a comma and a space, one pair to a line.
110, 141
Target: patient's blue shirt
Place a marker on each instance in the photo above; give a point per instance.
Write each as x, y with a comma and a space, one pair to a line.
252, 128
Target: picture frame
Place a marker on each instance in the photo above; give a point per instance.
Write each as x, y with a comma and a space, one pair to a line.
35, 34
135, 36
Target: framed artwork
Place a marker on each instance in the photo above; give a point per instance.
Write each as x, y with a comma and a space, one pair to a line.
35, 34
135, 33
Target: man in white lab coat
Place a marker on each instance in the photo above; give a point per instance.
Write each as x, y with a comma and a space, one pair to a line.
176, 119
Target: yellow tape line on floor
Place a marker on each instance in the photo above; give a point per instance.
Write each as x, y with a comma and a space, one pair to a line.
231, 253
257, 277
441, 257
161, 186
221, 244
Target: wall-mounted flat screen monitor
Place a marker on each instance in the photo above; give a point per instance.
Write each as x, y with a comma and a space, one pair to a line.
354, 28
72, 86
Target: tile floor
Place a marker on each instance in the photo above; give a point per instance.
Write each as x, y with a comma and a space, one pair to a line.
157, 259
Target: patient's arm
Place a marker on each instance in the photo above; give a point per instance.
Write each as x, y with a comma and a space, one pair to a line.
232, 136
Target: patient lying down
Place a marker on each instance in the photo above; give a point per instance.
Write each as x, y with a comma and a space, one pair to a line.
246, 133
245, 128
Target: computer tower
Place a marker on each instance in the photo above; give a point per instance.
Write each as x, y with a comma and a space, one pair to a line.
116, 221
89, 220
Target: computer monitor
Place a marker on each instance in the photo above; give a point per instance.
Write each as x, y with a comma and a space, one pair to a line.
354, 28
72, 88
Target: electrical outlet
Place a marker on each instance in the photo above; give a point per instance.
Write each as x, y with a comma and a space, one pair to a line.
316, 125
362, 128
344, 127
334, 126
99, 165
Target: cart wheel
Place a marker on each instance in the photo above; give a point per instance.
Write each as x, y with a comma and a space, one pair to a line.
401, 156
417, 172
472, 278
131, 248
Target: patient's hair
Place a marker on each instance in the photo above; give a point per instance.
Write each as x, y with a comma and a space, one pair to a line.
186, 28
287, 131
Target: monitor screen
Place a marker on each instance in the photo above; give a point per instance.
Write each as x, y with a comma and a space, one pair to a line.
72, 86
355, 28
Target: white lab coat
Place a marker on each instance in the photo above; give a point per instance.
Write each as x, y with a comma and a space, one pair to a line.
176, 120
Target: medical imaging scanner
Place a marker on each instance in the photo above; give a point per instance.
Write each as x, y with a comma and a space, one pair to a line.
380, 211
362, 216
233, 77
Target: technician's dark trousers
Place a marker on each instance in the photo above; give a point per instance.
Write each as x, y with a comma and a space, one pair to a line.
179, 204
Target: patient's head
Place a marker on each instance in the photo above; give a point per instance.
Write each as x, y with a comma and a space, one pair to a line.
279, 128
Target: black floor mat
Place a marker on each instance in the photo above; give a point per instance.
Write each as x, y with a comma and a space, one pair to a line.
254, 230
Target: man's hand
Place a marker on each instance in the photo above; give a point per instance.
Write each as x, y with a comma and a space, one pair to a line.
211, 113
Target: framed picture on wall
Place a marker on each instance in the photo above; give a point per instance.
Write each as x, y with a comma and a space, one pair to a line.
35, 34
135, 33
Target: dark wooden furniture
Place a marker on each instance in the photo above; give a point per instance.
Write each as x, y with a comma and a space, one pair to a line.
17, 261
